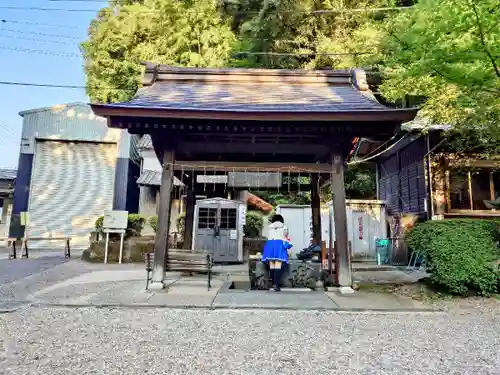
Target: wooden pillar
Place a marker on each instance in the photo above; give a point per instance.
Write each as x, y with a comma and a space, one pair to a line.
161, 240
189, 218
438, 189
315, 209
343, 270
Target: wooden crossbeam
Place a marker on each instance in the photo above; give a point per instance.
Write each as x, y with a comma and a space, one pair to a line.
228, 166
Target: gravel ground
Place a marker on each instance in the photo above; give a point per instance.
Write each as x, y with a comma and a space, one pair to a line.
138, 341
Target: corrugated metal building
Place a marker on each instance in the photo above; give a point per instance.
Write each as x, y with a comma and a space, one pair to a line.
72, 168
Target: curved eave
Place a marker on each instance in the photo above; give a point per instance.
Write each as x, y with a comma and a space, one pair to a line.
399, 115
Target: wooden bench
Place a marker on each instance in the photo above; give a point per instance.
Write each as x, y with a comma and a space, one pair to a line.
182, 260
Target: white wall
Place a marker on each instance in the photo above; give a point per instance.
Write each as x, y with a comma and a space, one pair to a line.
150, 161
366, 221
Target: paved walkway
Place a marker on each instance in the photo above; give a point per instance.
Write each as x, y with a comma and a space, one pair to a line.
84, 284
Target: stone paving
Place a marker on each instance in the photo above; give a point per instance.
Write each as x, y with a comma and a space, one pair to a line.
79, 284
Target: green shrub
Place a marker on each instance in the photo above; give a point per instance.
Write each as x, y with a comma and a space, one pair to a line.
153, 222
99, 224
135, 224
253, 225
461, 255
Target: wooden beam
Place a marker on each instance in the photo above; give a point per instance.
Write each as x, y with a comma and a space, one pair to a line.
189, 218
253, 148
370, 115
228, 166
343, 271
161, 240
316, 209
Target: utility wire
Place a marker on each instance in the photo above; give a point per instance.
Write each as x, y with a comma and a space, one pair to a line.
50, 85
40, 51
48, 9
37, 40
39, 24
380, 153
314, 12
303, 54
40, 34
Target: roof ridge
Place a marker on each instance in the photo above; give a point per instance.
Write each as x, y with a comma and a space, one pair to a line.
48, 108
159, 73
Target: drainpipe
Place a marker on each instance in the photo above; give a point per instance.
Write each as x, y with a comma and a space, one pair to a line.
377, 181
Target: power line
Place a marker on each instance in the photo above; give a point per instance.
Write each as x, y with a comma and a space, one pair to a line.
303, 54
37, 40
41, 52
48, 9
50, 85
313, 12
87, 1
39, 24
39, 34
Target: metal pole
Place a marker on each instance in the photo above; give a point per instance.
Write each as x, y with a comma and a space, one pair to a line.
106, 248
121, 248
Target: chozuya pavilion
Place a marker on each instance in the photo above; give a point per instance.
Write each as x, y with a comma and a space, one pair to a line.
254, 120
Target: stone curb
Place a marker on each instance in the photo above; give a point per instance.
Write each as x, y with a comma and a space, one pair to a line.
232, 307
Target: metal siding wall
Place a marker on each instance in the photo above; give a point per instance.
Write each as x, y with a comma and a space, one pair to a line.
74, 122
402, 181
72, 185
389, 183
21, 194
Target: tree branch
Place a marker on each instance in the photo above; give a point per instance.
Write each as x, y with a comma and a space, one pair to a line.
483, 40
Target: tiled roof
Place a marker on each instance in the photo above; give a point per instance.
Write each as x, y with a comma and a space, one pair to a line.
8, 174
153, 178
145, 143
423, 123
260, 203
253, 90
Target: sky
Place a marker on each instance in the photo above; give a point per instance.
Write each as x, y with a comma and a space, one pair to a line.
18, 64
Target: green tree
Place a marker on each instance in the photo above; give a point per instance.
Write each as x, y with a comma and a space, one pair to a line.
359, 183
309, 32
179, 33
448, 52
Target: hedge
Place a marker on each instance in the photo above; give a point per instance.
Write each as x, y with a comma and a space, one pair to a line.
135, 224
253, 224
252, 228
461, 255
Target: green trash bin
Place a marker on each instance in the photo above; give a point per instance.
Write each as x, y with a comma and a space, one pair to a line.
383, 249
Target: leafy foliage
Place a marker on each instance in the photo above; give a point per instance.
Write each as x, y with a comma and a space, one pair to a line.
359, 183
253, 225
307, 35
447, 51
153, 222
135, 224
179, 33
461, 255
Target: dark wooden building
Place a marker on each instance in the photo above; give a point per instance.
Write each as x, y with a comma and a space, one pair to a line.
254, 120
417, 175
